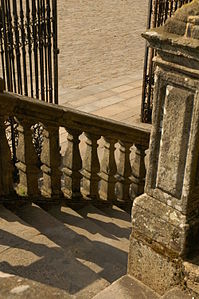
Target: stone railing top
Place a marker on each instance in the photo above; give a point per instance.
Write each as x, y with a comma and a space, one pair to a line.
54, 115
180, 31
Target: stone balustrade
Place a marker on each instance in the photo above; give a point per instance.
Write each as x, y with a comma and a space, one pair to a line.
73, 176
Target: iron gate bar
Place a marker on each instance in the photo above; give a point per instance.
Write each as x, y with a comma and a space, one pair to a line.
29, 46
23, 49
55, 51
49, 52
17, 49
158, 13
45, 48
1, 42
35, 33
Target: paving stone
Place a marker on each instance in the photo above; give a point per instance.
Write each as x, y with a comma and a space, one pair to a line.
122, 88
84, 101
110, 110
131, 93
88, 108
122, 116
107, 101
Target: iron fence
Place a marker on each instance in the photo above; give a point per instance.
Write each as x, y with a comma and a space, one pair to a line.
29, 55
158, 12
28, 48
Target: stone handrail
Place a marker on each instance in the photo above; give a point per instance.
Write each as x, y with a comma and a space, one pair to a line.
74, 176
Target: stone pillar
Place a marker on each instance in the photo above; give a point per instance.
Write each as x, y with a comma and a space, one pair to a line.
165, 219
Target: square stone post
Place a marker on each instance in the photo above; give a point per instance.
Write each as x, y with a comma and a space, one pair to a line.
165, 219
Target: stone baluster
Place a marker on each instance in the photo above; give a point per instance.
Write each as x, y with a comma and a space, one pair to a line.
108, 171
6, 168
51, 160
91, 167
138, 170
124, 171
72, 164
27, 164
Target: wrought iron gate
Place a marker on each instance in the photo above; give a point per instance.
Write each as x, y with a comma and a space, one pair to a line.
158, 12
28, 47
29, 56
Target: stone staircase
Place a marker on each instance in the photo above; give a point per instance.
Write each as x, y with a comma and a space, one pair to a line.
68, 253
76, 253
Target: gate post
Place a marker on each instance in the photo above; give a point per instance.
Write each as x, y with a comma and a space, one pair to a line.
165, 220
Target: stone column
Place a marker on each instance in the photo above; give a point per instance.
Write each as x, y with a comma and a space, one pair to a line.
165, 219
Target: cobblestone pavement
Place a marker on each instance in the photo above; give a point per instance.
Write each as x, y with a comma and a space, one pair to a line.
99, 40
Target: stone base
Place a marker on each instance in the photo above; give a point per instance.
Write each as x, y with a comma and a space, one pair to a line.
157, 244
158, 272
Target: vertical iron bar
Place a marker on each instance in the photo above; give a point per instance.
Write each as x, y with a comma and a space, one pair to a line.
8, 44
11, 47
5, 45
17, 49
49, 51
45, 48
29, 46
34, 28
1, 44
55, 51
41, 58
11, 66
23, 40
166, 10
144, 82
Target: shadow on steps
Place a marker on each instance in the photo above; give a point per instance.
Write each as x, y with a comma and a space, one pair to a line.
52, 253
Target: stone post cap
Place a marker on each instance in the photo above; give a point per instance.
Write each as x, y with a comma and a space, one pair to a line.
180, 32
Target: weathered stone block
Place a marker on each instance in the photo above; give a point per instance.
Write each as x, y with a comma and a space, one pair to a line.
161, 226
157, 271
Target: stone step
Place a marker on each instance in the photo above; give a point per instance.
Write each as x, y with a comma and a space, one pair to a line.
108, 253
12, 286
72, 232
119, 229
127, 288
42, 257
86, 227
117, 213
13, 230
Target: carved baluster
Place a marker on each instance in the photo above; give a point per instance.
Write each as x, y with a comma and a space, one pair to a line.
51, 160
91, 167
138, 171
108, 171
72, 165
124, 171
6, 168
27, 164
